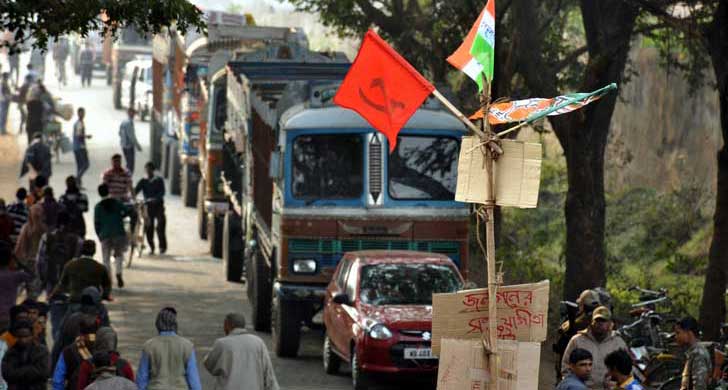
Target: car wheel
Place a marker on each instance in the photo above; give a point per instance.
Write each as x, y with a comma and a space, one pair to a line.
359, 379
201, 213
232, 248
214, 234
285, 328
332, 361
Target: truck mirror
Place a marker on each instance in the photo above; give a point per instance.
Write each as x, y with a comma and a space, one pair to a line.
340, 299
275, 165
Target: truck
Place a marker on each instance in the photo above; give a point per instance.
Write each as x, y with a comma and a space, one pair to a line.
303, 181
116, 53
184, 61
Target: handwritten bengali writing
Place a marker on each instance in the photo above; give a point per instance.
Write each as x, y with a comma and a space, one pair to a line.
508, 326
513, 299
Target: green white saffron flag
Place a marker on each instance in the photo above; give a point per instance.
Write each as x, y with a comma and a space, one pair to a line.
467, 62
483, 48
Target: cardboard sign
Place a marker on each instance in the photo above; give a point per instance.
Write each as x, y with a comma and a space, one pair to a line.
517, 173
522, 314
465, 366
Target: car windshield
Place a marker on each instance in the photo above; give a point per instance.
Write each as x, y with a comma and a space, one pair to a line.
423, 168
406, 284
327, 166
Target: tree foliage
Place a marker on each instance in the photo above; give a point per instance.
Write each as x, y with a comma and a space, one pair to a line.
38, 21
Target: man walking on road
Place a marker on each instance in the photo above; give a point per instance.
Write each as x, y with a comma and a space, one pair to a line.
6, 94
18, 212
109, 216
168, 360
152, 187
57, 248
128, 140
86, 59
37, 159
83, 272
79, 145
240, 360
75, 203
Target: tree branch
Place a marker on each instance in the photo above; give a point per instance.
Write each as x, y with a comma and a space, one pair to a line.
556, 67
379, 18
686, 25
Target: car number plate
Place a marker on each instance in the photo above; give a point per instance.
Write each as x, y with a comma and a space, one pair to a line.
418, 353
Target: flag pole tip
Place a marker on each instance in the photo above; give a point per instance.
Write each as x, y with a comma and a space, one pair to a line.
613, 86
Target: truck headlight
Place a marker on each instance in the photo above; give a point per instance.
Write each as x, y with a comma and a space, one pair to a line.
380, 332
304, 266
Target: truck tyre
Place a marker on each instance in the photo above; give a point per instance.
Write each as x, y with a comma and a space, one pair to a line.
257, 274
175, 171
214, 234
232, 247
117, 96
201, 213
285, 328
332, 361
189, 185
164, 168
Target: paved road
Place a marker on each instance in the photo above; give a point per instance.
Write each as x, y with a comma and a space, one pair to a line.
186, 277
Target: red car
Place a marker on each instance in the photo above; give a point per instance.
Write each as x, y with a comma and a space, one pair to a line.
378, 312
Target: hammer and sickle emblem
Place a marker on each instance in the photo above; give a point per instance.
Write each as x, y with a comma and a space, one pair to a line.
393, 104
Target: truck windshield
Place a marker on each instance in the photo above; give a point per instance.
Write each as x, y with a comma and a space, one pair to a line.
423, 168
405, 284
327, 166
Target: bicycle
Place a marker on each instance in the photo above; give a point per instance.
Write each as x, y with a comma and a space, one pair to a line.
136, 235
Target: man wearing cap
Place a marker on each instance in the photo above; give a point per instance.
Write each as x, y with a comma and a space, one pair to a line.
600, 340
168, 360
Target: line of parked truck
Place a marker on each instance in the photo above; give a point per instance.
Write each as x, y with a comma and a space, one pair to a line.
285, 182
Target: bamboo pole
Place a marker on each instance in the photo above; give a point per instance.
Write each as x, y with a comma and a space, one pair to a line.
490, 241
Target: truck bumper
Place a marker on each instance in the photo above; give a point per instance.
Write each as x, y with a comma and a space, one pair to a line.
189, 159
297, 292
216, 207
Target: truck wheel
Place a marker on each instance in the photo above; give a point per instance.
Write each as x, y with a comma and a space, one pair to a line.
117, 96
175, 170
285, 328
201, 213
164, 168
189, 185
359, 379
257, 275
214, 234
232, 247
332, 361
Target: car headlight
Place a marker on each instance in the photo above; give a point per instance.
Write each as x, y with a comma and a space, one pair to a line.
380, 332
304, 266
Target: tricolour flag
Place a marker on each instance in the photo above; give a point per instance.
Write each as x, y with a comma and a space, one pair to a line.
530, 110
477, 52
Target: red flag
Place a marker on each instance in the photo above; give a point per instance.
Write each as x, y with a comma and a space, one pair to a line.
382, 87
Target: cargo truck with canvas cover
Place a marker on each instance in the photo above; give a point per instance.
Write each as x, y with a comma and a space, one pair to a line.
308, 181
261, 42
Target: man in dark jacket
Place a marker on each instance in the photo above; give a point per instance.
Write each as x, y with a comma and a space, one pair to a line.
109, 216
84, 272
152, 187
106, 342
38, 157
25, 366
57, 248
75, 203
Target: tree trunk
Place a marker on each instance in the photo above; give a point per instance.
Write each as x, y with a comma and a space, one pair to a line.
713, 308
583, 136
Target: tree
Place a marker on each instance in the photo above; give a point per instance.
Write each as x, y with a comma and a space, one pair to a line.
37, 21
703, 33
533, 59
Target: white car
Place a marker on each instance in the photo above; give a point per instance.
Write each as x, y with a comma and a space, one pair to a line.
142, 70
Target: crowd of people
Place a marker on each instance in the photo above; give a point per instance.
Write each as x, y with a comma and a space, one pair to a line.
596, 357
44, 254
